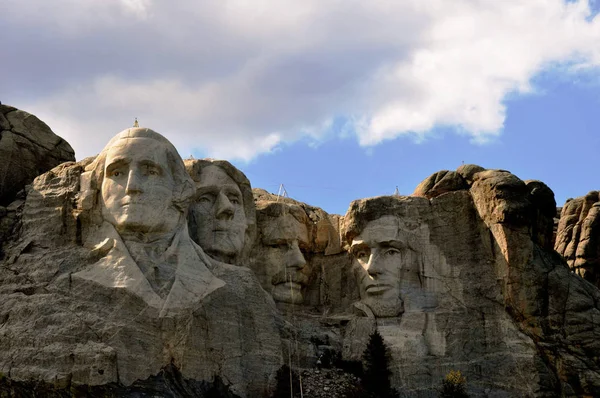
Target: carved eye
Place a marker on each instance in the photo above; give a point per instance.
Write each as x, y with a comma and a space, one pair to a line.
152, 170
362, 255
205, 199
116, 173
390, 251
280, 246
234, 200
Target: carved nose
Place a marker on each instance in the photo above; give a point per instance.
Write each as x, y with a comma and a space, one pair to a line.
295, 258
225, 209
374, 265
134, 183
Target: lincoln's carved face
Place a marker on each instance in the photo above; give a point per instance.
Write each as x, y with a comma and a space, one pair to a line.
220, 221
137, 189
389, 269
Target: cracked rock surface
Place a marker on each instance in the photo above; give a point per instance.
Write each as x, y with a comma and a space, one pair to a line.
578, 236
28, 148
482, 291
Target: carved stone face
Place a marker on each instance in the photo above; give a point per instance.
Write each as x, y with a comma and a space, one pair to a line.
389, 268
219, 211
137, 189
282, 270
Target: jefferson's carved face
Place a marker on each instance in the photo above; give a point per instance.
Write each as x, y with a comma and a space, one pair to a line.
389, 267
219, 211
137, 190
283, 265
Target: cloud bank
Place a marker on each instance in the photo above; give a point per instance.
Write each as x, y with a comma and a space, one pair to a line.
235, 79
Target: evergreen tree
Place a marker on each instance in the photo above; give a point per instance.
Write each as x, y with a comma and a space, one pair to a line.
376, 378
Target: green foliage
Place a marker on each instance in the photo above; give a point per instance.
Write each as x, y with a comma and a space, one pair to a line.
376, 377
454, 385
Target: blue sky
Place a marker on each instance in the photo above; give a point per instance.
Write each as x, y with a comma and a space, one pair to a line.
336, 100
552, 136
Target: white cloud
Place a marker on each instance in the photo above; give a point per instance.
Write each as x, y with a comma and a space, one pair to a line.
238, 78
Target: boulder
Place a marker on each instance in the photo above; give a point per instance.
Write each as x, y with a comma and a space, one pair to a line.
28, 148
439, 183
578, 236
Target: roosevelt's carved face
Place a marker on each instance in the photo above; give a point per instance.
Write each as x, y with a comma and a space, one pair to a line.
219, 215
282, 269
137, 189
389, 267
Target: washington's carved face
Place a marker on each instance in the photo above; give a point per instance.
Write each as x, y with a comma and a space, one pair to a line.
219, 211
137, 189
283, 266
389, 268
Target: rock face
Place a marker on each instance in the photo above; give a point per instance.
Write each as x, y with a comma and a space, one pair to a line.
101, 289
439, 183
222, 217
578, 236
546, 313
302, 241
28, 148
134, 274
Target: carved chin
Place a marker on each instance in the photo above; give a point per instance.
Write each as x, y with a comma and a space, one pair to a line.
133, 223
387, 308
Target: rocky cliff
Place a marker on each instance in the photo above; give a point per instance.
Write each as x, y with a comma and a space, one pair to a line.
28, 148
578, 236
461, 275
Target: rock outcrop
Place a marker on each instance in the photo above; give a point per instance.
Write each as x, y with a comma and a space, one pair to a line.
103, 290
78, 316
28, 148
327, 281
578, 236
538, 301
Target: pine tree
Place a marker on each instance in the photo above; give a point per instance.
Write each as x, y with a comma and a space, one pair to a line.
376, 379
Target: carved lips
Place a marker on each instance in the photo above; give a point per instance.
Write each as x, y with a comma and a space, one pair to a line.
295, 279
377, 288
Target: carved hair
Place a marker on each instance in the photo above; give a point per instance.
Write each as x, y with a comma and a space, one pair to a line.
268, 210
363, 211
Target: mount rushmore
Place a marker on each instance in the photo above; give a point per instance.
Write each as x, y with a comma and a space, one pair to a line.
136, 269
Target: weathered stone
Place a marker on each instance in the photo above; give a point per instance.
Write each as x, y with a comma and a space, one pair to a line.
578, 236
6, 108
501, 197
543, 213
86, 296
468, 171
439, 183
102, 290
302, 242
28, 148
4, 123
473, 277
222, 217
